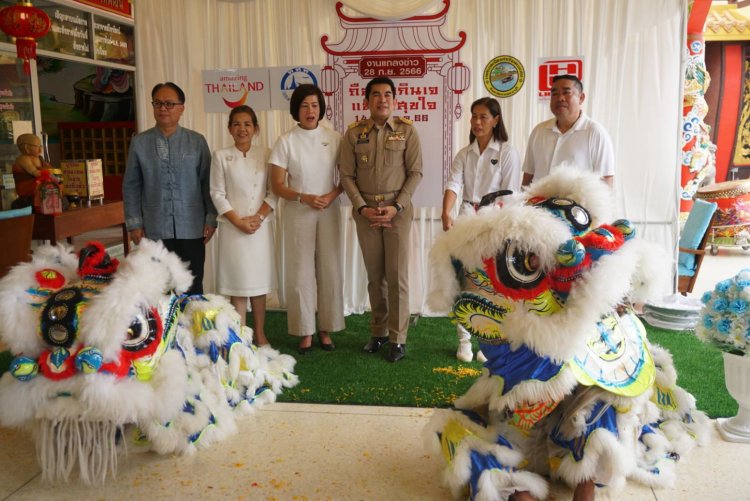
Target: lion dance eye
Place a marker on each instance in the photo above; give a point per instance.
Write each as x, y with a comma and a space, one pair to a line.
517, 268
144, 330
59, 320
516, 273
569, 211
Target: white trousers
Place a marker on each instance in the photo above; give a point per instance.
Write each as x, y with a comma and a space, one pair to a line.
313, 278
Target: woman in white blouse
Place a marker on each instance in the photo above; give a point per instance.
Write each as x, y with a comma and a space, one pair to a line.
489, 164
304, 173
240, 191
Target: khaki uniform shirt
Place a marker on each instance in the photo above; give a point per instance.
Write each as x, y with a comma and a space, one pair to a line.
378, 160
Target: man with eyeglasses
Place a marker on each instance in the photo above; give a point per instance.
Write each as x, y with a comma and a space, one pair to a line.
166, 184
571, 138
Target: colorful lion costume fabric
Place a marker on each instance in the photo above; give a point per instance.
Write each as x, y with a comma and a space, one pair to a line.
571, 389
112, 357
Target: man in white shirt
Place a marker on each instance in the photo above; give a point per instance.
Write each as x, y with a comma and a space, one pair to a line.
570, 138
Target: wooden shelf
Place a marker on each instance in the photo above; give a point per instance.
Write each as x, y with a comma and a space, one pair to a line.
109, 141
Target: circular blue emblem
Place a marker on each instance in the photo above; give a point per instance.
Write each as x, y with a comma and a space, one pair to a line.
294, 78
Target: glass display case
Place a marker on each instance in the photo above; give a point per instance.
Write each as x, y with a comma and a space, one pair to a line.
16, 110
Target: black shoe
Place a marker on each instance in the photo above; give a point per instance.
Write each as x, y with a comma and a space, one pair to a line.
326, 346
398, 351
304, 350
374, 344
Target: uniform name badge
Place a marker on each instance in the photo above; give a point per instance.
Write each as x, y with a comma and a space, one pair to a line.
397, 136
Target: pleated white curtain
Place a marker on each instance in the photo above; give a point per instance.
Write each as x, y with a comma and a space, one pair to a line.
633, 51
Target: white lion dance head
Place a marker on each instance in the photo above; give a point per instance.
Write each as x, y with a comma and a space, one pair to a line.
110, 354
542, 282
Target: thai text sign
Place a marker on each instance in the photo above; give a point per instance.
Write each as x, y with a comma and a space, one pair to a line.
392, 67
69, 33
84, 178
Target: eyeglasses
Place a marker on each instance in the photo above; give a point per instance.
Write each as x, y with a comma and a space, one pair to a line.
167, 104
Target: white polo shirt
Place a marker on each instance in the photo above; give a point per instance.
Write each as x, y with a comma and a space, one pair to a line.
585, 146
309, 157
473, 175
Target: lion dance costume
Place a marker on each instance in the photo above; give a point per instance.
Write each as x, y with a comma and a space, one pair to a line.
572, 390
110, 357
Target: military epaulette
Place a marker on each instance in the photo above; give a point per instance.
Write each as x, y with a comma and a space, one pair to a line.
357, 123
404, 120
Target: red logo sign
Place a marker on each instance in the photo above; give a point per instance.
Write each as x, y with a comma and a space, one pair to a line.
392, 67
549, 69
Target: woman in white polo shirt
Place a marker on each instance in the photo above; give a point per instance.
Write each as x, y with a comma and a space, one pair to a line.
304, 173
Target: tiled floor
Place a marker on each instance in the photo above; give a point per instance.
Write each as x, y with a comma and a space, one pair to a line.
306, 452
309, 452
726, 264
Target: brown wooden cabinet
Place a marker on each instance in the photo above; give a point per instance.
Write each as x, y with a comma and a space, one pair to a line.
109, 141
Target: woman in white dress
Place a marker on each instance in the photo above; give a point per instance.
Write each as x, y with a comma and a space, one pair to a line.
304, 173
244, 202
487, 166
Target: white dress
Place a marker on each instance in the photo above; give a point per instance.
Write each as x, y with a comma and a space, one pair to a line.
247, 265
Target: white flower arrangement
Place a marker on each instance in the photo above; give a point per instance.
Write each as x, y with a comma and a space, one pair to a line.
725, 316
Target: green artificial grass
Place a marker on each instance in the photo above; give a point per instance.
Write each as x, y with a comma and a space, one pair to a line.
430, 375
700, 369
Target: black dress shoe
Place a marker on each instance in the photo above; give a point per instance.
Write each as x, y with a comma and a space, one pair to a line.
326, 346
304, 350
374, 344
397, 352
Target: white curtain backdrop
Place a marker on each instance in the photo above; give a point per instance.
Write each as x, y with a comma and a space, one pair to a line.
633, 57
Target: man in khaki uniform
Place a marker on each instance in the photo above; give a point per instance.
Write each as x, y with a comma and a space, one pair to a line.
381, 165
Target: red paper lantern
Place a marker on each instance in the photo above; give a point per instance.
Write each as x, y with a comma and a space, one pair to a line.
26, 23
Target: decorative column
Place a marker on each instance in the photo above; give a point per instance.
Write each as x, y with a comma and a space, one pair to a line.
698, 153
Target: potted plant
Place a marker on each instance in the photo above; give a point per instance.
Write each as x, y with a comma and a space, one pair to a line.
725, 321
